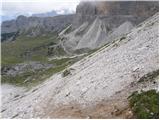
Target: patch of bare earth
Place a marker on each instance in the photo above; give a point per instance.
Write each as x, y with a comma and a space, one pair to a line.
117, 107
104, 109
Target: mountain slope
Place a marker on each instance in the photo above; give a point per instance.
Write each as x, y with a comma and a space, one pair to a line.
98, 84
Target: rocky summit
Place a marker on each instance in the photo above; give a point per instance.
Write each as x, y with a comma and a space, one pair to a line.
101, 62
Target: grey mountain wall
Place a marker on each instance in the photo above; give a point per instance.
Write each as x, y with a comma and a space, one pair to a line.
88, 11
97, 23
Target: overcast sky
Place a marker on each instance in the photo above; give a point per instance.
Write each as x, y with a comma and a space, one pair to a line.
27, 7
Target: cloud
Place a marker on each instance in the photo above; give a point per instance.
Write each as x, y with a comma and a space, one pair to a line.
27, 7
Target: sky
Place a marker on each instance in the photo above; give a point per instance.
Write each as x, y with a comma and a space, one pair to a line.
12, 8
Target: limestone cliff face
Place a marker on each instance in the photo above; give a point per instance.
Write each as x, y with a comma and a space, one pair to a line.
87, 11
139, 8
100, 22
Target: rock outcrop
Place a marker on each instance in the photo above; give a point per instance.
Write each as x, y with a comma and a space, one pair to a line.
87, 11
24, 67
97, 23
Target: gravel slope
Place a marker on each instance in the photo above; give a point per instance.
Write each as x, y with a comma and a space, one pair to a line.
93, 35
99, 77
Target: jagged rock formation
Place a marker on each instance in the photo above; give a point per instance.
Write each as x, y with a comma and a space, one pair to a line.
87, 11
97, 23
99, 84
95, 34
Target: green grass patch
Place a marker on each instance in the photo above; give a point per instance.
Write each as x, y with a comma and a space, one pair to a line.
18, 79
26, 48
145, 105
56, 50
60, 61
30, 78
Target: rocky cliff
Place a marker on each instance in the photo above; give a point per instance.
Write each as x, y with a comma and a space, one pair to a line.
97, 23
87, 11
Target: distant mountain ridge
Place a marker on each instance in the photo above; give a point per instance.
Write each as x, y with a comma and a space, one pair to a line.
34, 26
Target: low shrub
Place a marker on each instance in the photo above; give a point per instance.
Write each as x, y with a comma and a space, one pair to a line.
66, 73
145, 105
